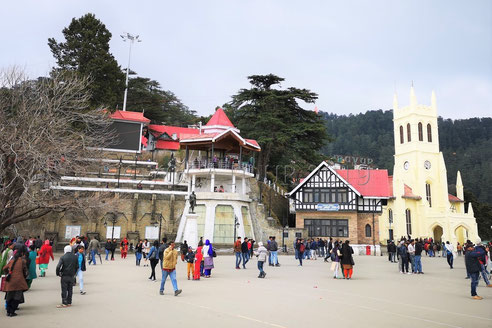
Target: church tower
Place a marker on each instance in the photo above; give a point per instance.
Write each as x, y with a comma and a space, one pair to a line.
421, 205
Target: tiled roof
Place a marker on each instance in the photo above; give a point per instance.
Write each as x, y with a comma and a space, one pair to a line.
167, 144
369, 183
130, 116
219, 118
454, 199
170, 130
408, 193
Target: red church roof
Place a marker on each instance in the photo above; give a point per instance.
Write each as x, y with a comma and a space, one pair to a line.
130, 116
408, 193
170, 130
454, 199
219, 118
369, 183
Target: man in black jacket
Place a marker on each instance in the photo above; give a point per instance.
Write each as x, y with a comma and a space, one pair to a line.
473, 267
67, 269
245, 252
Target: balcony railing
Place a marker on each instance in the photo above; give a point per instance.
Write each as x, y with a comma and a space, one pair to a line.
220, 164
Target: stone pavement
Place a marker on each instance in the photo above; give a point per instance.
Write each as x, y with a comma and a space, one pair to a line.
120, 295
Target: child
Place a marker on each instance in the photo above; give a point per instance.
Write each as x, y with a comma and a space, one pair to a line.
262, 255
190, 258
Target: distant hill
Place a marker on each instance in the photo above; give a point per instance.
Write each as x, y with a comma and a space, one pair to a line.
466, 145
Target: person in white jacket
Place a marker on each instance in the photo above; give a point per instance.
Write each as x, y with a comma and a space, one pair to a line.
262, 255
449, 254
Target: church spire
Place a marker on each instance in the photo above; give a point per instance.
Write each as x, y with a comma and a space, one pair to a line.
459, 186
470, 210
413, 98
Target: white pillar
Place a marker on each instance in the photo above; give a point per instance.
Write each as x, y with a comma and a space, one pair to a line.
193, 182
243, 184
212, 182
233, 183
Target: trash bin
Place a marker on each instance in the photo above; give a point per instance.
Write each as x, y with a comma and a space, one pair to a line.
368, 250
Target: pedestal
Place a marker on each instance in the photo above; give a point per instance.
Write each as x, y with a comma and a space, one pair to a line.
191, 230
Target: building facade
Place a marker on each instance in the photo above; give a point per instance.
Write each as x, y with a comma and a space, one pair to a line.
421, 205
343, 204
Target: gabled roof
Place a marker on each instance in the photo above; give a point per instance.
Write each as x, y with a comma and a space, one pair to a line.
130, 116
323, 164
408, 193
454, 199
167, 144
369, 183
219, 119
390, 186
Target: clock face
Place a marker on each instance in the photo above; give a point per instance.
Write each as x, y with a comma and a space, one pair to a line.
406, 165
427, 165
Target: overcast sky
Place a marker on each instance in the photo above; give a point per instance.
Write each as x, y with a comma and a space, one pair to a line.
354, 54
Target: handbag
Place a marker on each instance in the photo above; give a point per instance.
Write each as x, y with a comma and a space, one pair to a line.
214, 254
3, 283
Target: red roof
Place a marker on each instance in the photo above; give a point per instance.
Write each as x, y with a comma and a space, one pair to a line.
253, 142
219, 118
390, 185
170, 130
199, 136
130, 116
409, 193
369, 183
454, 199
167, 144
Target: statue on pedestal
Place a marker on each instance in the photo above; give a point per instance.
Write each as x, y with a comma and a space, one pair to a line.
192, 201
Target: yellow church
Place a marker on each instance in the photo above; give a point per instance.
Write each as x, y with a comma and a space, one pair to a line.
421, 205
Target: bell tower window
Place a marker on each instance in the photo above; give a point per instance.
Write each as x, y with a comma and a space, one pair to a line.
429, 133
408, 221
421, 134
428, 194
409, 133
401, 135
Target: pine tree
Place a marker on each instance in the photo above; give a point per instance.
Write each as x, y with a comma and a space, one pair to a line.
86, 51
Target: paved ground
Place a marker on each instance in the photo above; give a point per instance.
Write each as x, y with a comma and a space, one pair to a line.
120, 295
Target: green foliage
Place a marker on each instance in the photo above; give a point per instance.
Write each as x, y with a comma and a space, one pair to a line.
86, 51
287, 134
160, 106
466, 145
483, 213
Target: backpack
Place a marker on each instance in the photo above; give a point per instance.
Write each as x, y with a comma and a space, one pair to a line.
302, 248
333, 256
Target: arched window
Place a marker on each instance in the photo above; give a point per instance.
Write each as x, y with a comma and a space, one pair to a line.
368, 230
401, 134
409, 221
429, 133
428, 194
409, 133
421, 133
390, 216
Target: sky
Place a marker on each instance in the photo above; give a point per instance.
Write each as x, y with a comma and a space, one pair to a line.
354, 54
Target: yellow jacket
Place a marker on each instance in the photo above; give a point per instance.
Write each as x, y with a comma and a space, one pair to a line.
170, 259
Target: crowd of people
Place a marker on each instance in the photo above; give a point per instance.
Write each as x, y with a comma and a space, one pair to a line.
20, 256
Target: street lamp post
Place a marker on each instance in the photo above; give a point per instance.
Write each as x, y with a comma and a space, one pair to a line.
236, 224
132, 39
119, 170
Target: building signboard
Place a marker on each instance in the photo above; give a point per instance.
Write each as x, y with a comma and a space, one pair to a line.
328, 207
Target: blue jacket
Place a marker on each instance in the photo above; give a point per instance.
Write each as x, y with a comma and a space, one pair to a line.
153, 254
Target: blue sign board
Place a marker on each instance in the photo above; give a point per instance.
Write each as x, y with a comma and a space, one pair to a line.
328, 207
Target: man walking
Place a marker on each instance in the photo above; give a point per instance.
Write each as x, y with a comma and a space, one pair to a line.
449, 253
94, 249
67, 269
170, 259
237, 252
274, 252
245, 252
473, 268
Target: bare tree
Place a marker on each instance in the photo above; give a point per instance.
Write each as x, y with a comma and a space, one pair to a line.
46, 131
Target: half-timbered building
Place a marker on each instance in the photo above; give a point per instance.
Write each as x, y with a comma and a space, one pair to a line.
343, 204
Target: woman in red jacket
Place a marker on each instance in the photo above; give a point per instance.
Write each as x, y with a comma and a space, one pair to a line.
45, 253
198, 261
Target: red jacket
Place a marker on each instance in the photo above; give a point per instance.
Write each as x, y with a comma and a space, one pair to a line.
45, 252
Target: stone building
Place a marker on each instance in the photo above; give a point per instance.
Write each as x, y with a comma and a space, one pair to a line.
339, 203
